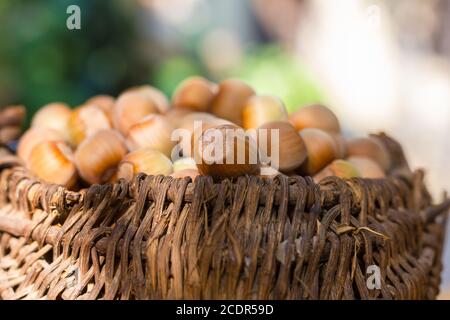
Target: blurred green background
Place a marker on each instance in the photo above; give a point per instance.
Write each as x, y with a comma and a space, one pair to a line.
124, 43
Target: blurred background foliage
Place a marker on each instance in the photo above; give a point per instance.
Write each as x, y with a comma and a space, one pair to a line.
121, 45
42, 61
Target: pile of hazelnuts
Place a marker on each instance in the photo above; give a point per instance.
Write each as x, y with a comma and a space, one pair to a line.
106, 139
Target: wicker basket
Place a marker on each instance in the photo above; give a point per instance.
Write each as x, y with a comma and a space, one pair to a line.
164, 238
11, 123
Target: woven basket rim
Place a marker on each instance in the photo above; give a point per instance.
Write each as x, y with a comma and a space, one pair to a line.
26, 193
127, 222
73, 196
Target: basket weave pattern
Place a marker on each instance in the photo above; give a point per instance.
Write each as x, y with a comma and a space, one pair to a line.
159, 238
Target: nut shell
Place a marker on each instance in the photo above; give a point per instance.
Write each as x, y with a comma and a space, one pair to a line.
157, 96
34, 136
153, 131
195, 93
191, 128
259, 110
282, 144
372, 148
145, 160
53, 162
315, 116
176, 116
130, 108
184, 164
230, 100
225, 151
339, 168
85, 121
367, 167
341, 145
98, 156
321, 148
104, 102
53, 116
